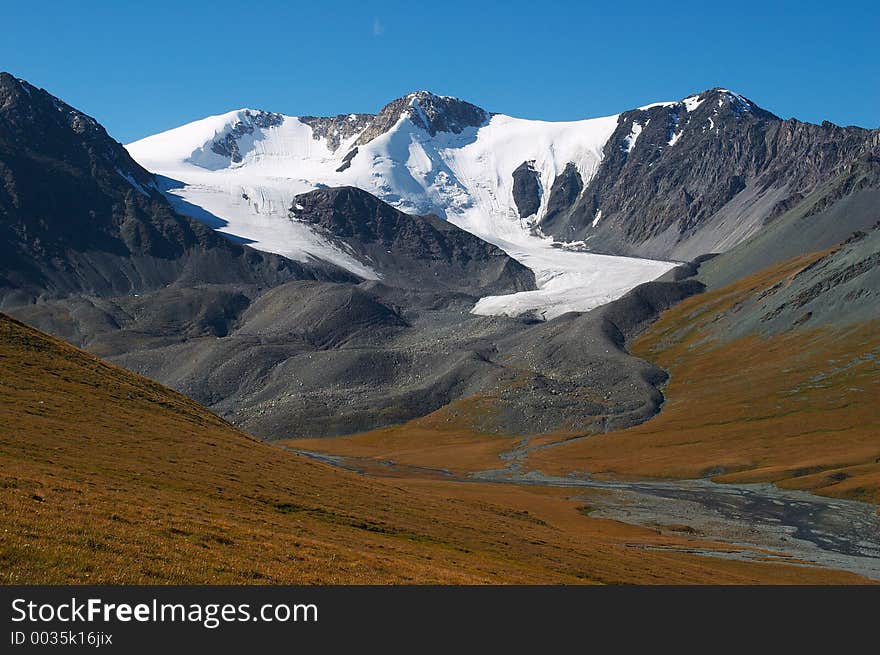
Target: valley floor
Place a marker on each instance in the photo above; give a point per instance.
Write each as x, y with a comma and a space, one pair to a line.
110, 478
770, 417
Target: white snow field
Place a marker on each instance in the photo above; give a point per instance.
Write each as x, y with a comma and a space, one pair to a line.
465, 178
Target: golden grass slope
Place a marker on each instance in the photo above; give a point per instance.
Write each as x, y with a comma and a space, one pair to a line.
106, 477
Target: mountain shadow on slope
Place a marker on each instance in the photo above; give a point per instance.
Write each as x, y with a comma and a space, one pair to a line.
79, 215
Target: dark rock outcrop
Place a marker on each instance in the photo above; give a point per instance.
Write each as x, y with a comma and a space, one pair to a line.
227, 146
564, 193
346, 161
526, 189
337, 129
423, 252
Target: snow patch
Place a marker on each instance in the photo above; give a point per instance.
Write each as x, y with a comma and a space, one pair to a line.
133, 182
630, 141
597, 217
658, 104
691, 103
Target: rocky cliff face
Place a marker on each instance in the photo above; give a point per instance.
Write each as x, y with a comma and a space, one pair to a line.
422, 252
78, 214
681, 179
337, 129
228, 145
431, 112
526, 189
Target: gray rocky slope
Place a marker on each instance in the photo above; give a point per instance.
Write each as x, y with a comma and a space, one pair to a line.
845, 204
312, 358
841, 220
839, 290
702, 176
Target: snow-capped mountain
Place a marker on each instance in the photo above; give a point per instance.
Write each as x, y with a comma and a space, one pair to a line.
79, 216
669, 180
681, 179
424, 154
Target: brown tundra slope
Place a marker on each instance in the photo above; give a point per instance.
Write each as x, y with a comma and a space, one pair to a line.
773, 378
107, 477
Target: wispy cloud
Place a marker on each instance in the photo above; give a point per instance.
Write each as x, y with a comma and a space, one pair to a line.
378, 27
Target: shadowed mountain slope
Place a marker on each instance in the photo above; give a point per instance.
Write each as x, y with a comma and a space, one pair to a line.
79, 215
679, 180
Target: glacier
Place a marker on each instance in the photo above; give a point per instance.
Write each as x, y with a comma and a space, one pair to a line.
239, 172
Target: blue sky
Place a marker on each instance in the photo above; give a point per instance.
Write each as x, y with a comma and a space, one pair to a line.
140, 68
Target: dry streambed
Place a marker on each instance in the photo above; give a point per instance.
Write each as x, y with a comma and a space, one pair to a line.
761, 521
796, 525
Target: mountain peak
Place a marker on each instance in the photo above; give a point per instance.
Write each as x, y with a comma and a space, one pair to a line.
16, 91
247, 120
8, 80
435, 113
429, 111
736, 102
39, 122
425, 93
714, 100
28, 107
